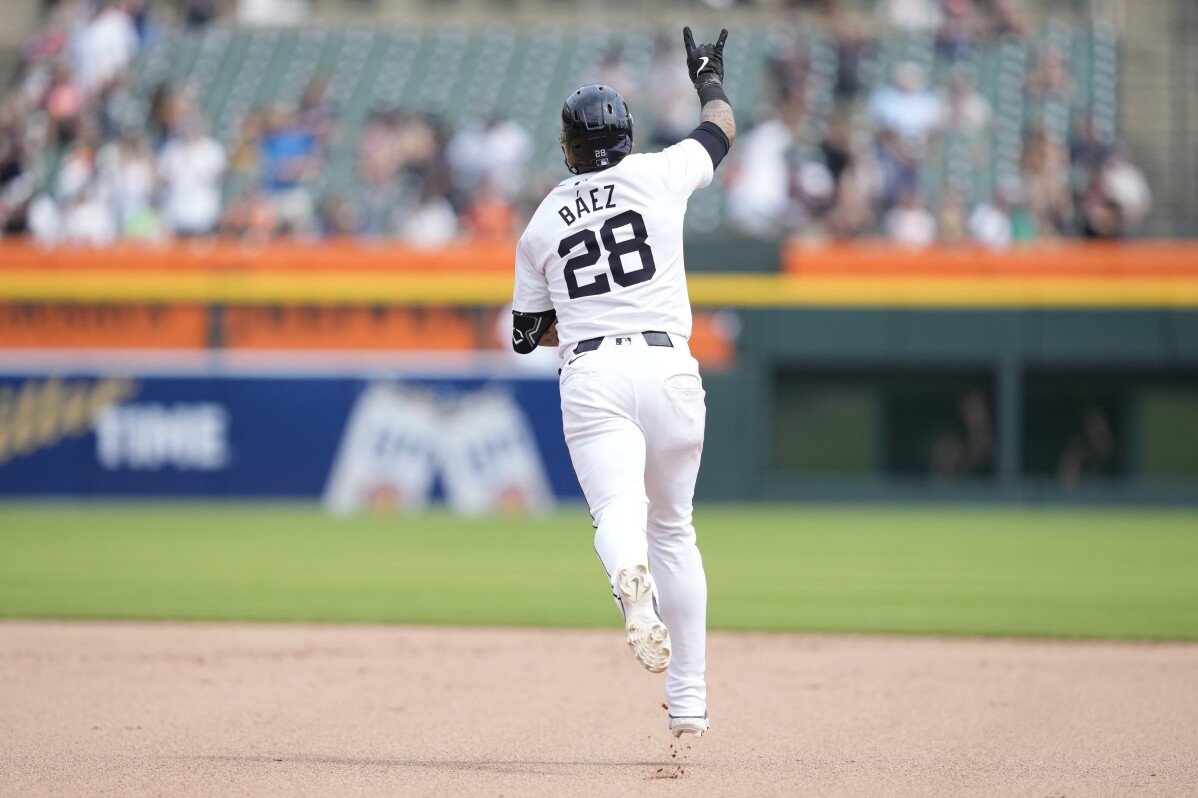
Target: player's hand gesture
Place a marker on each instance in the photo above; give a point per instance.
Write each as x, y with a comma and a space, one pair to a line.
705, 61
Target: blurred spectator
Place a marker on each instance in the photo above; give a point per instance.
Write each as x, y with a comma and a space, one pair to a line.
290, 159
378, 155
53, 40
44, 220
1050, 78
909, 222
490, 217
78, 127
1128, 188
168, 109
853, 51
675, 105
117, 109
246, 158
339, 218
317, 114
192, 165
1091, 451
16, 183
64, 102
856, 182
494, 152
906, 105
957, 35
378, 166
128, 176
432, 223
420, 147
971, 449
788, 66
613, 71
1088, 149
87, 220
965, 109
837, 146
815, 189
951, 221
1045, 170
143, 23
78, 166
1115, 200
897, 164
852, 213
759, 192
249, 217
915, 15
272, 13
1010, 19
107, 45
199, 13
990, 224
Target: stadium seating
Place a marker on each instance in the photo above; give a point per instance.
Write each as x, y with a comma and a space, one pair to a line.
459, 73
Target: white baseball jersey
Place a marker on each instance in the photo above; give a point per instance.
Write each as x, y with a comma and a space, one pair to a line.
604, 249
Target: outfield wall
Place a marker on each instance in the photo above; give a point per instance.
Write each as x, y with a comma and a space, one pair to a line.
1062, 372
352, 437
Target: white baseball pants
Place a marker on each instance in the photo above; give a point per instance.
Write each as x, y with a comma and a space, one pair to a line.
633, 416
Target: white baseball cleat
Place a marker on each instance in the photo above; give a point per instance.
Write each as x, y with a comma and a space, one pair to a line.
689, 725
648, 637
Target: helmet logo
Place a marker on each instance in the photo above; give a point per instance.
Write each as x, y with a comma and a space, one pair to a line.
601, 157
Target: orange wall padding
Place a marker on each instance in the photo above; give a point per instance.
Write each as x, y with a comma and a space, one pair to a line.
362, 328
45, 326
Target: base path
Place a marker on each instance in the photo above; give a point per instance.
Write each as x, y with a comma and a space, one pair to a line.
231, 709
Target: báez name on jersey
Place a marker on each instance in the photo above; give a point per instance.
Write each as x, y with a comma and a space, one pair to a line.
598, 201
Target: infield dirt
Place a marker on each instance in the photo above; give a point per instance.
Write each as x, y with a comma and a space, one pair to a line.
227, 709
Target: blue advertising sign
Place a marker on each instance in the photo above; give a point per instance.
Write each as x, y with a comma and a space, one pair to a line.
101, 434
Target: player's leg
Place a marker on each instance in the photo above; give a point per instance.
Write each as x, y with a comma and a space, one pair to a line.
608, 451
674, 448
609, 456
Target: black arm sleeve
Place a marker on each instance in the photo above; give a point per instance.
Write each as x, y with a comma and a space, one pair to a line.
713, 139
527, 329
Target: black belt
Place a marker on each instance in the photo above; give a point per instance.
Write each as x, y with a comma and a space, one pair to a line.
652, 338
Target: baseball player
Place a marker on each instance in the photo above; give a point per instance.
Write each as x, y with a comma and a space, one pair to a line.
599, 275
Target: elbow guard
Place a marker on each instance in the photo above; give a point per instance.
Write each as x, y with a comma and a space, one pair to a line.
527, 329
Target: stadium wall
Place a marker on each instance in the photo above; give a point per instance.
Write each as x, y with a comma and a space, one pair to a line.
1059, 373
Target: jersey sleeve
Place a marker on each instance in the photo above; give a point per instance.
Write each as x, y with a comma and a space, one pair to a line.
686, 166
531, 293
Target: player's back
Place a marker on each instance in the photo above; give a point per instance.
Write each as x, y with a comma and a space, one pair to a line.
608, 246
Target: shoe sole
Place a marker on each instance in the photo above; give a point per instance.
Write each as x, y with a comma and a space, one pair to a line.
647, 636
696, 729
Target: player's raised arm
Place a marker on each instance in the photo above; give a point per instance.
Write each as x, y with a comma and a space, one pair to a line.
705, 63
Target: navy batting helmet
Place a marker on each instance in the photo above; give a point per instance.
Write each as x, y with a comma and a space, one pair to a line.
596, 128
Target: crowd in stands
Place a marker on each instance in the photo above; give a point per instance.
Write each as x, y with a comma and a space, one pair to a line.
864, 172
75, 169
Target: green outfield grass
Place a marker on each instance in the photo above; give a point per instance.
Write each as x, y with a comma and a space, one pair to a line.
1093, 572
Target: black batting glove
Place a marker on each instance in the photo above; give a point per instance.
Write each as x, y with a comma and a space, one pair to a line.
705, 61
